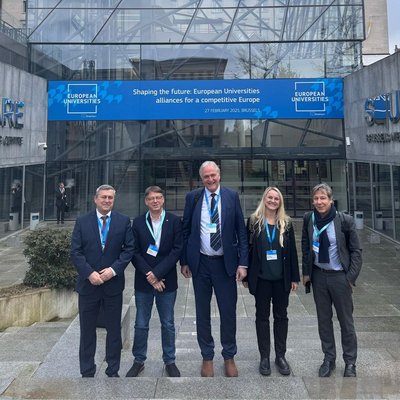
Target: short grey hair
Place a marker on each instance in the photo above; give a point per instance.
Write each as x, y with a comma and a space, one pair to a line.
154, 189
324, 187
104, 187
208, 164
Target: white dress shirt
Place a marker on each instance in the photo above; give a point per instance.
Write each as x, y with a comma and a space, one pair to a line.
205, 247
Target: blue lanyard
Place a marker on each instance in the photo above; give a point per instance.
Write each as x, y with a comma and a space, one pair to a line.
157, 234
104, 231
270, 239
213, 211
317, 232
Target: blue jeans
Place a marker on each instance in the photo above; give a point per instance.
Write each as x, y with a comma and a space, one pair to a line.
165, 302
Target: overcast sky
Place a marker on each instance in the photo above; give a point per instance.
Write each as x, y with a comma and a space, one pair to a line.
394, 23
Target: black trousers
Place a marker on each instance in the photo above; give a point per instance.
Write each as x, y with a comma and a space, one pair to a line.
332, 288
266, 292
89, 307
60, 213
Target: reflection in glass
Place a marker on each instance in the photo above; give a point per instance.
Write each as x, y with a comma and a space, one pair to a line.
197, 21
10, 192
396, 193
33, 196
69, 25
382, 198
363, 191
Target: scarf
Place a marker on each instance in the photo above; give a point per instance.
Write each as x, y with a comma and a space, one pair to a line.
324, 244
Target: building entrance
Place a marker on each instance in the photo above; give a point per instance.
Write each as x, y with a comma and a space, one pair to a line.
295, 178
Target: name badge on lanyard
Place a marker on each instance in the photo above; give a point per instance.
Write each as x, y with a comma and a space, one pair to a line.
270, 254
212, 226
317, 234
152, 250
104, 230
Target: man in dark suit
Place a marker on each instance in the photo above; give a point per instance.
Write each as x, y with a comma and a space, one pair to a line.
158, 246
331, 262
61, 202
101, 248
215, 253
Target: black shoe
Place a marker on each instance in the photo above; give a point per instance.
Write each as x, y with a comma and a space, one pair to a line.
87, 375
350, 371
265, 368
326, 369
172, 371
135, 370
283, 365
113, 375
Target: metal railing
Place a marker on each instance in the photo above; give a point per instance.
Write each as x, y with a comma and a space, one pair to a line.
17, 34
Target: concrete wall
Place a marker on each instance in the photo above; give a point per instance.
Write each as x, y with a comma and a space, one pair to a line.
37, 306
13, 13
19, 85
376, 43
374, 80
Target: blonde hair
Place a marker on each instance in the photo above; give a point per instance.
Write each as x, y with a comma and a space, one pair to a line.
257, 219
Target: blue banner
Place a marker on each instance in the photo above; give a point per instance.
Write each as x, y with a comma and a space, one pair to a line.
195, 99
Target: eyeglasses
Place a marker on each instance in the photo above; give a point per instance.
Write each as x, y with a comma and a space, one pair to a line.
158, 198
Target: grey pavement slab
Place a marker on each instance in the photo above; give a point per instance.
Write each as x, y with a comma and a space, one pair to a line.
32, 343
62, 360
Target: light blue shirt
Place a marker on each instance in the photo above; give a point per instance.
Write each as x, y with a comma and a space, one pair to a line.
101, 237
334, 259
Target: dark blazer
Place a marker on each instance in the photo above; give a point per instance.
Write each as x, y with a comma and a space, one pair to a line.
289, 260
233, 231
61, 198
347, 241
163, 265
88, 256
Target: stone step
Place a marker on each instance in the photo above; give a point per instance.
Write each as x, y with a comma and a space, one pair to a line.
162, 388
250, 387
62, 361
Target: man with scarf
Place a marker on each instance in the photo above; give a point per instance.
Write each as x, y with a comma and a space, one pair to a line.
331, 262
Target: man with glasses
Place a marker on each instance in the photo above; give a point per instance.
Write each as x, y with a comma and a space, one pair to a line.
158, 246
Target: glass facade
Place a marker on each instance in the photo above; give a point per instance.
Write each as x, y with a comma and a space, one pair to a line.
187, 40
21, 193
375, 190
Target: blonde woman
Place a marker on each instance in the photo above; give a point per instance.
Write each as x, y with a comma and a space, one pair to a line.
273, 272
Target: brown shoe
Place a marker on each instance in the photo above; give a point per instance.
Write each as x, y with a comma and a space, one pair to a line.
207, 369
230, 368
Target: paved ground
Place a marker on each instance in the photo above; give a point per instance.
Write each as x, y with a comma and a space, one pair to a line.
41, 361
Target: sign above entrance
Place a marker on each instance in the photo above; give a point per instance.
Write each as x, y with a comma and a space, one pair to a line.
195, 99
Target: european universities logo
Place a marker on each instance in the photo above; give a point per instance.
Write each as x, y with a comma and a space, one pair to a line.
310, 97
82, 98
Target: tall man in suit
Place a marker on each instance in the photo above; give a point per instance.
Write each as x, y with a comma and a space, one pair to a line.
158, 246
101, 248
215, 254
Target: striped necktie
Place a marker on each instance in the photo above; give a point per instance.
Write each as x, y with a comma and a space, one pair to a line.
215, 238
